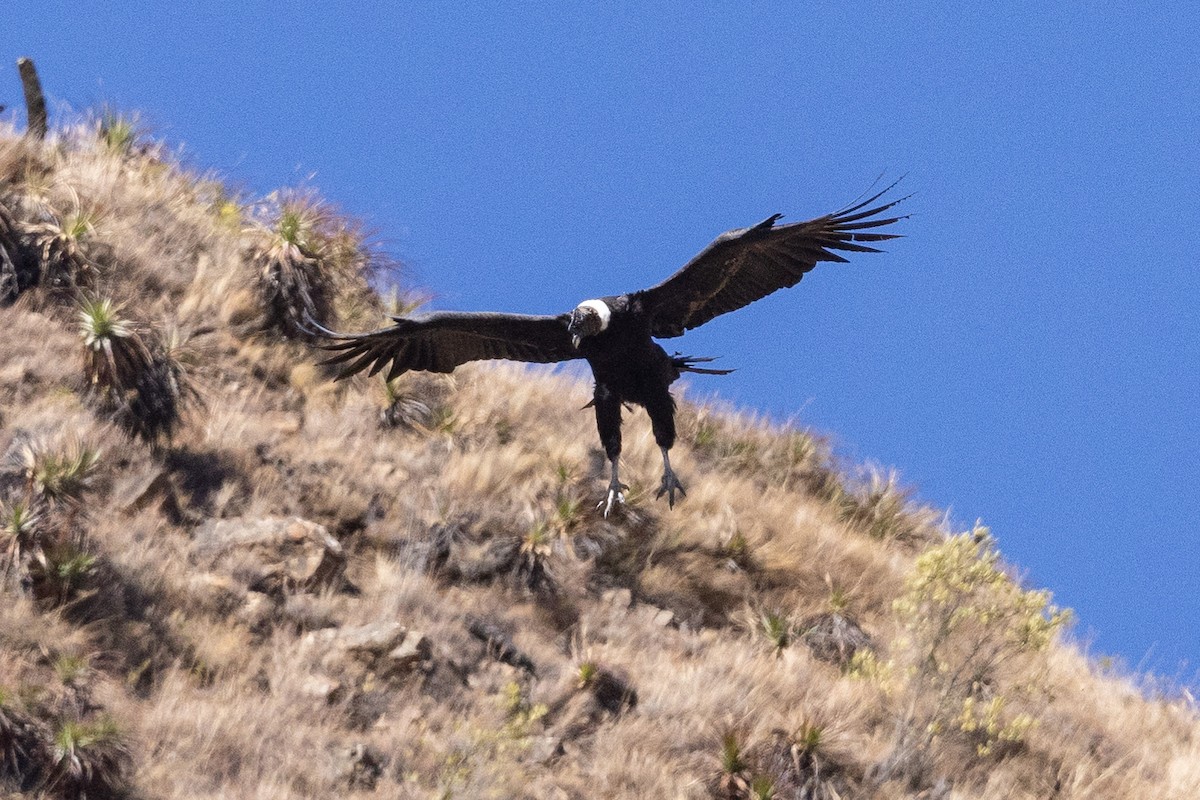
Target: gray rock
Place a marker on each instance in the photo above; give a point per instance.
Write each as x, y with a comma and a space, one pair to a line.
361, 767
662, 617
257, 611
618, 598
323, 688
544, 749
370, 641
385, 648
271, 554
308, 612
413, 651
834, 637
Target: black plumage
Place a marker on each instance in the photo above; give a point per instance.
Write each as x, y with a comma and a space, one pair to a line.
616, 334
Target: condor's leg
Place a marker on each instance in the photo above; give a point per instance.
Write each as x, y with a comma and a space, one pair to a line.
662, 420
608, 423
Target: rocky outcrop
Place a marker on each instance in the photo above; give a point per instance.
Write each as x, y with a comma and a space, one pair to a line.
272, 555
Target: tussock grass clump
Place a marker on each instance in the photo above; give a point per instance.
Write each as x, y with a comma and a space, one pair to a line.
884, 509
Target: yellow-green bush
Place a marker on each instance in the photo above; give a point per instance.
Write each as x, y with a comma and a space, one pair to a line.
971, 632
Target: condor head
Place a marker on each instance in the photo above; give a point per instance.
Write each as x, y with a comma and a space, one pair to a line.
588, 319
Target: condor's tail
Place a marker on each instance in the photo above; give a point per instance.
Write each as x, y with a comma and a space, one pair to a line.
688, 364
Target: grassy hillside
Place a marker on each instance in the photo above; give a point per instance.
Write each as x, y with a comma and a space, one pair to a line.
225, 576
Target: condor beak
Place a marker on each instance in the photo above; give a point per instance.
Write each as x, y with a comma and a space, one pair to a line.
575, 340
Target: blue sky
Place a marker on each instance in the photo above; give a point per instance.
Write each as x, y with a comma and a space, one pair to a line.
1028, 355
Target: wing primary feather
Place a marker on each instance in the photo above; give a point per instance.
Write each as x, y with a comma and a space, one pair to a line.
744, 265
854, 214
381, 359
857, 204
361, 361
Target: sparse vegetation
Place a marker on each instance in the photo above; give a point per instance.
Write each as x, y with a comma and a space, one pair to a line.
423, 601
883, 509
776, 629
118, 132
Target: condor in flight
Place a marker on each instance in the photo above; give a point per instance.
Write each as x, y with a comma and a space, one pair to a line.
616, 334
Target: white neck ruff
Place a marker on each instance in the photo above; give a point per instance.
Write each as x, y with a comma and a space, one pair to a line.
601, 308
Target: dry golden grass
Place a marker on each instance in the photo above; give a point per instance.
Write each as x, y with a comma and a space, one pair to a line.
478, 508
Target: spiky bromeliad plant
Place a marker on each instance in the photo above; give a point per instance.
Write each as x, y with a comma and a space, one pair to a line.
18, 743
61, 248
132, 374
18, 536
11, 278
294, 270
403, 409
118, 132
58, 479
533, 558
45, 550
89, 760
115, 354
776, 628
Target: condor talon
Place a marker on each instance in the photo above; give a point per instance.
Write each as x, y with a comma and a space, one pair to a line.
615, 498
670, 482
616, 494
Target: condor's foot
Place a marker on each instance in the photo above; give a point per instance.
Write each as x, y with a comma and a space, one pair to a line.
670, 485
616, 496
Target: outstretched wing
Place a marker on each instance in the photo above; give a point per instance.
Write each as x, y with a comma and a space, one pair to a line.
745, 265
441, 340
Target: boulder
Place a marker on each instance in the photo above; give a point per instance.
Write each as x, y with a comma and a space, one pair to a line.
385, 648
371, 641
322, 688
271, 554
410, 653
834, 637
360, 767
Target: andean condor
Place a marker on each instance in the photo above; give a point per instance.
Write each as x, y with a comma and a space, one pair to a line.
616, 334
